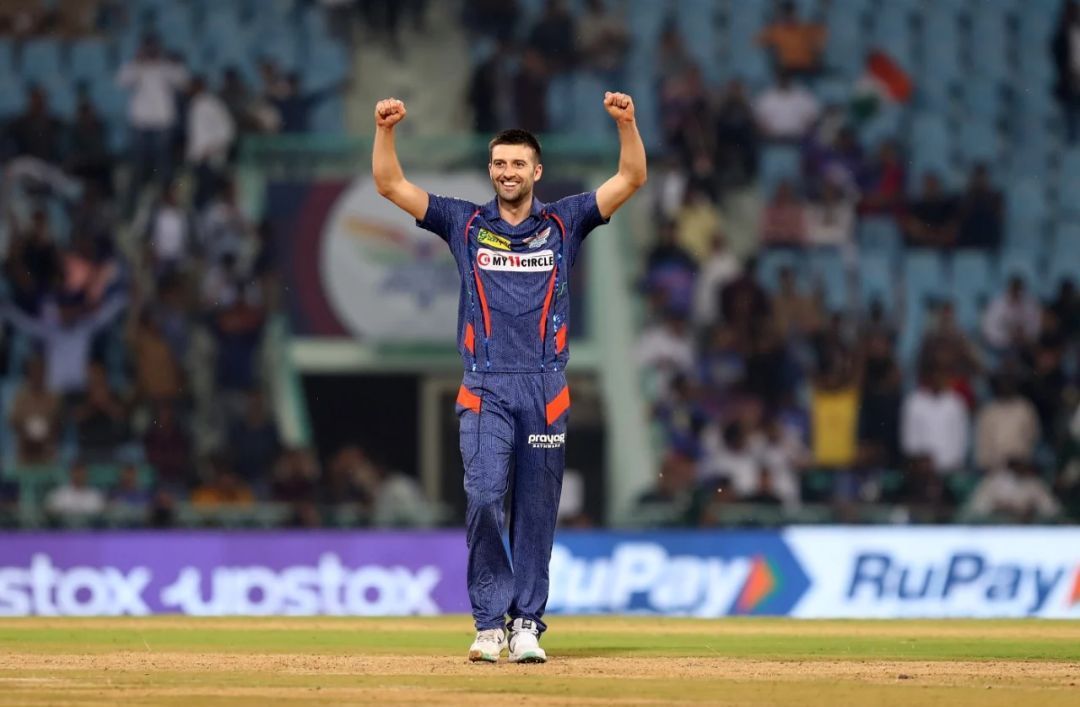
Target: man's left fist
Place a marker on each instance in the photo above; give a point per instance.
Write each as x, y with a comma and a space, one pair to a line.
619, 106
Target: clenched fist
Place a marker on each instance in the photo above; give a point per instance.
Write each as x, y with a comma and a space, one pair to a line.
389, 112
619, 106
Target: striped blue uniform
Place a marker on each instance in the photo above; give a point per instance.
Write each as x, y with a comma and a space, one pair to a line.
513, 320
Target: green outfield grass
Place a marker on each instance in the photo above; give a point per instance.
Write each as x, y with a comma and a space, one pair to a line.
609, 661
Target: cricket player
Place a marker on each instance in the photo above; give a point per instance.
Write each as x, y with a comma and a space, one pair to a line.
514, 255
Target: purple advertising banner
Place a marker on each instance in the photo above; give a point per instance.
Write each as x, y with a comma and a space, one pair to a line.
234, 573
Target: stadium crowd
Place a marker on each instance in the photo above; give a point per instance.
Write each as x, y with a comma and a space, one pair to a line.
137, 292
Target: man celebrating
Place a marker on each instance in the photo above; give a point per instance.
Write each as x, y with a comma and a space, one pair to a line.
514, 256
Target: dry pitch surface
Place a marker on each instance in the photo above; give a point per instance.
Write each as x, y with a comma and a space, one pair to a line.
595, 661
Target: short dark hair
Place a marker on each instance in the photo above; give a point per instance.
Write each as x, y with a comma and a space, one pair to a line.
516, 136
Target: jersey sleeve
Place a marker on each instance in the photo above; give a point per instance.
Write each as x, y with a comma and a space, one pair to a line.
581, 215
446, 218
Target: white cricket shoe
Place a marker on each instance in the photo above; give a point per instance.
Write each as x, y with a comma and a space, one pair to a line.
488, 645
525, 643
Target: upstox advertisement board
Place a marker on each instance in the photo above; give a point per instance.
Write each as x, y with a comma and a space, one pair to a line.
813, 572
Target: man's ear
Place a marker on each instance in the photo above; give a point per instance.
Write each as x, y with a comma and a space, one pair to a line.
538, 172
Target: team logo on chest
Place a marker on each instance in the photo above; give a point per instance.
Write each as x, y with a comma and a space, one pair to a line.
540, 261
486, 237
534, 242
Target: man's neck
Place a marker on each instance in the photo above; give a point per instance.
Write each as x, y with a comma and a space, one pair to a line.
514, 214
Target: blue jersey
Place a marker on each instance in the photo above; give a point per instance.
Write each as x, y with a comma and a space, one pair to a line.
514, 308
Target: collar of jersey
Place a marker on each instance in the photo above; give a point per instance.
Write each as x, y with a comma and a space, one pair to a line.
490, 212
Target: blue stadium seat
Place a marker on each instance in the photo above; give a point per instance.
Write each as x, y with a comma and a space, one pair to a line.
929, 132
1062, 267
982, 99
7, 57
772, 260
40, 60
1070, 163
1065, 242
1022, 262
884, 125
778, 163
940, 45
62, 97
876, 282
973, 283
844, 50
89, 59
827, 270
282, 46
892, 33
697, 23
1026, 212
989, 37
645, 18
979, 142
12, 96
880, 235
327, 64
329, 116
924, 275
1068, 204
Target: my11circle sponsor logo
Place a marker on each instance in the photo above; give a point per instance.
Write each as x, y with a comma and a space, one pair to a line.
540, 261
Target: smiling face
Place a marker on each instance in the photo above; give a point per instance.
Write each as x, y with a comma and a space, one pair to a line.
513, 170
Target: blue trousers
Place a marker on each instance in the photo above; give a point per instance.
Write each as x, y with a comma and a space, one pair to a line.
513, 433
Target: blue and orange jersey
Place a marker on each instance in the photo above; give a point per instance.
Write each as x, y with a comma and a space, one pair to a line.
514, 308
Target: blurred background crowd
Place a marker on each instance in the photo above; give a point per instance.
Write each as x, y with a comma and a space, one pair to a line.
857, 292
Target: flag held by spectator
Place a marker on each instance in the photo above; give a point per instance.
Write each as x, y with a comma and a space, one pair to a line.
884, 82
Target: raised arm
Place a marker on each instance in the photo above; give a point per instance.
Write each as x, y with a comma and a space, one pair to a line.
389, 178
632, 170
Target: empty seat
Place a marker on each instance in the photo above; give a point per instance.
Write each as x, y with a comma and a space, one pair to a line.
89, 60
880, 235
827, 271
973, 283
778, 163
876, 283
979, 142
771, 261
1022, 263
1026, 211
40, 60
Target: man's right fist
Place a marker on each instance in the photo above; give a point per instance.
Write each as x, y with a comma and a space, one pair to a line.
389, 112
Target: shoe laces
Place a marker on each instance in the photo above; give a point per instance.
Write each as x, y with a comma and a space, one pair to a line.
492, 635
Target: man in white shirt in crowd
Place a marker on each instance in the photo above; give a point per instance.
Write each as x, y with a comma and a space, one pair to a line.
786, 111
934, 422
721, 267
76, 499
211, 132
1013, 318
1013, 492
154, 81
1006, 428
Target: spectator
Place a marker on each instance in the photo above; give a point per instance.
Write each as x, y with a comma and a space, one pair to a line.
720, 268
722, 366
89, 156
101, 419
730, 461
33, 263
786, 111
782, 453
1006, 428
783, 221
253, 440
945, 345
670, 271
697, 222
36, 132
35, 418
666, 347
798, 316
688, 124
67, 332
1013, 493
492, 108
76, 500
343, 482
224, 229
980, 217
128, 493
743, 302
1065, 48
294, 106
924, 492
224, 488
530, 90
669, 500
832, 154
154, 81
737, 148
602, 41
672, 57
932, 218
210, 135
885, 182
250, 113
1066, 309
796, 46
879, 411
169, 234
159, 377
397, 499
237, 325
1047, 384
167, 447
830, 221
681, 416
934, 422
834, 414
769, 370
553, 37
295, 477
1013, 318
1067, 483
